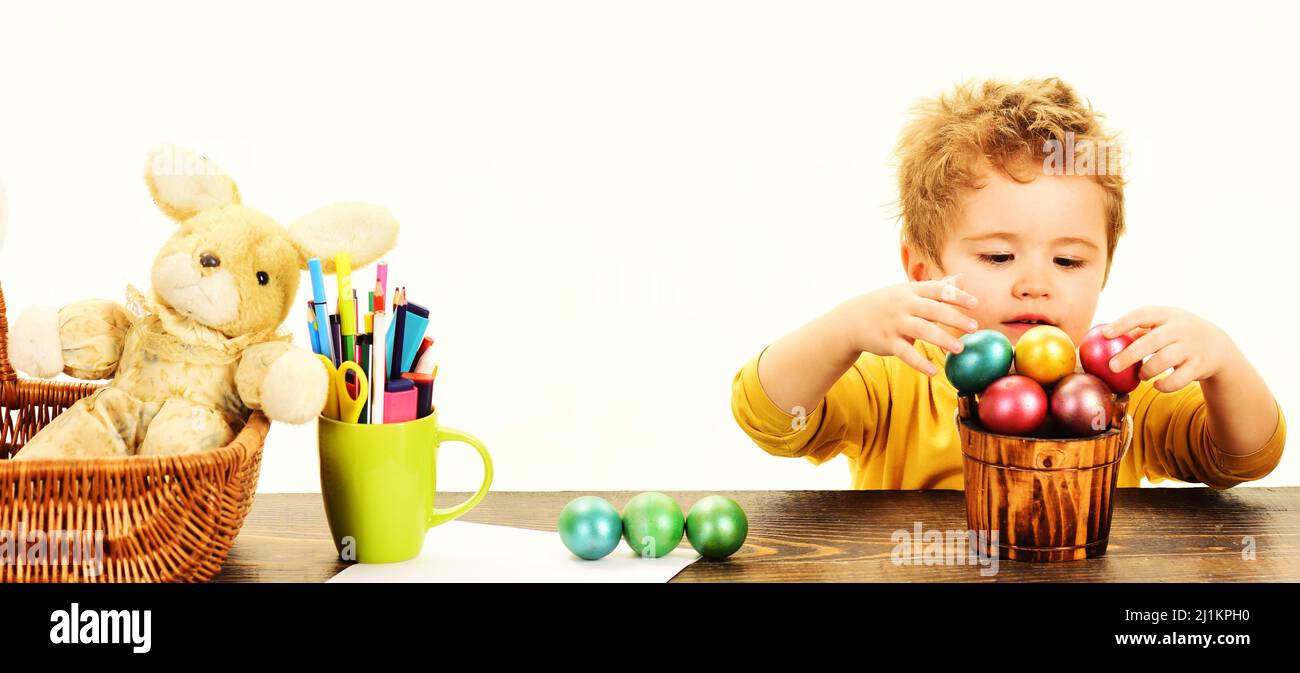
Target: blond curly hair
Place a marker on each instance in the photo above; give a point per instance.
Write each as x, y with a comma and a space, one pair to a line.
952, 139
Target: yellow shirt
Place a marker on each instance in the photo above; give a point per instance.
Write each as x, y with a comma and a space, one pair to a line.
896, 426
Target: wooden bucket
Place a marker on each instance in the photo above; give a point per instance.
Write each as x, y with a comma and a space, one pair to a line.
1048, 499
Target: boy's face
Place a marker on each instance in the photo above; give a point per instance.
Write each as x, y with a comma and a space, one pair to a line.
1025, 250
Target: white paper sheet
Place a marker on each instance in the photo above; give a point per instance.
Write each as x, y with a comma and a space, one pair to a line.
459, 551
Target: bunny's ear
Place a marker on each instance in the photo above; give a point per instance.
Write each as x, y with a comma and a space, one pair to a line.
362, 230
183, 183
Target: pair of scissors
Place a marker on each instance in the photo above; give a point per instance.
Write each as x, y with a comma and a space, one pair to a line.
340, 405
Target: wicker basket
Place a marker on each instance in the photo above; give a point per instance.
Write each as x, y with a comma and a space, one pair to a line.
162, 519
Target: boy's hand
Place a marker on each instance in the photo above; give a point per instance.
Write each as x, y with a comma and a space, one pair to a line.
888, 321
1194, 347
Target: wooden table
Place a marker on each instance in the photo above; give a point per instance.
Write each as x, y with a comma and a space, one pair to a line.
1157, 535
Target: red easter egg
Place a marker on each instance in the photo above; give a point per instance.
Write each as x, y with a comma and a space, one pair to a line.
1096, 351
1082, 404
1013, 405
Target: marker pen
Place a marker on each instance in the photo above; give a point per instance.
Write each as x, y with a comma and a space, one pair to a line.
400, 400
424, 393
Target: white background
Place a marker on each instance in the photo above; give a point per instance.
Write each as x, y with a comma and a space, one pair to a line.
610, 206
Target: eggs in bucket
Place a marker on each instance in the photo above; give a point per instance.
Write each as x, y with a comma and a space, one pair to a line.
1045, 396
1041, 444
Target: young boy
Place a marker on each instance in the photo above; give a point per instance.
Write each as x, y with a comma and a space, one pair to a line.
997, 234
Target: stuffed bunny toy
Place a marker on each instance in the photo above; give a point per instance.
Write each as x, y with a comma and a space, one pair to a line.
190, 361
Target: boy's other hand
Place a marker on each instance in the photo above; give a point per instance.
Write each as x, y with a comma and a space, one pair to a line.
1195, 348
888, 321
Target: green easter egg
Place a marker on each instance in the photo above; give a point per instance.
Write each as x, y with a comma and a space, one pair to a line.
717, 526
985, 357
590, 527
653, 525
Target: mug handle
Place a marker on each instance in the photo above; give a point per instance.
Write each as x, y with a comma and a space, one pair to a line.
441, 516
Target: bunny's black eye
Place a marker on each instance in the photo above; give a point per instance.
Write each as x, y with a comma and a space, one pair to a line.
262, 278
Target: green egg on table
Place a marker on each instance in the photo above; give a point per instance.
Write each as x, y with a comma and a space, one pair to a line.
653, 525
590, 527
717, 526
985, 357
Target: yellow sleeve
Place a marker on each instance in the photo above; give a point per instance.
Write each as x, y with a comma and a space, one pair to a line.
92, 334
843, 422
1171, 440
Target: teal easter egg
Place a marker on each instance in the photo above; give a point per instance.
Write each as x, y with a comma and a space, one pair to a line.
653, 525
717, 526
590, 527
985, 357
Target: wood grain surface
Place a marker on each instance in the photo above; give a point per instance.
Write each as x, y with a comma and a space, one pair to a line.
1157, 535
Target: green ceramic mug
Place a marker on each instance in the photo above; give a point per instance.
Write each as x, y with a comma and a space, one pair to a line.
379, 480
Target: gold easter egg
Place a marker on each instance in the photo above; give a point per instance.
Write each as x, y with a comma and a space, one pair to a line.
1045, 354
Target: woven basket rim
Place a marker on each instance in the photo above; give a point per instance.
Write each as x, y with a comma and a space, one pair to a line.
251, 438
